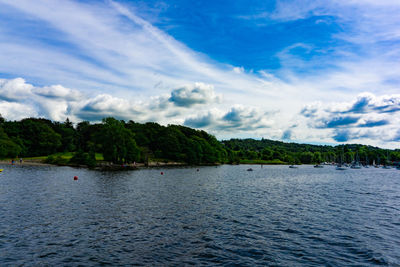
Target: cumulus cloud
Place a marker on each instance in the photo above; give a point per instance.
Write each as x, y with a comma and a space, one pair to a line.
238, 118
201, 121
199, 93
16, 111
367, 117
367, 103
21, 99
57, 102
338, 121
58, 92
14, 89
107, 106
311, 110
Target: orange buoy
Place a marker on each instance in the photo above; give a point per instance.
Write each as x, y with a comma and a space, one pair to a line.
75, 178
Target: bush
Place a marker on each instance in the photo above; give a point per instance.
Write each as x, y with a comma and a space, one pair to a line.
56, 160
83, 158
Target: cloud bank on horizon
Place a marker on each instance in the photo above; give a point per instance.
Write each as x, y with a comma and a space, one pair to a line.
304, 71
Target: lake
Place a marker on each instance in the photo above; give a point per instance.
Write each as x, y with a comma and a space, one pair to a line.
213, 216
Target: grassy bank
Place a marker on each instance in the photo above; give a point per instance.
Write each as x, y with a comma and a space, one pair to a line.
260, 161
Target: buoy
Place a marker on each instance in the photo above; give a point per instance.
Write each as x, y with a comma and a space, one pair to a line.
197, 169
75, 178
162, 173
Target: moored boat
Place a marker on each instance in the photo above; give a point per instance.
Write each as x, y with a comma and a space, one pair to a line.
341, 167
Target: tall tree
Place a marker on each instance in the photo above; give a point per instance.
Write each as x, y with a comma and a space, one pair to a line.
118, 143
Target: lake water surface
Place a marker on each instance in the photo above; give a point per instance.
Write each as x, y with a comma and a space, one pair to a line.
217, 216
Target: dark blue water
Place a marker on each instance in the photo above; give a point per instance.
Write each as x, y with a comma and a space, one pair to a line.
218, 216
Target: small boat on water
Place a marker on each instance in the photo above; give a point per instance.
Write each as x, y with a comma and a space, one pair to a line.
318, 166
250, 170
341, 167
293, 167
356, 166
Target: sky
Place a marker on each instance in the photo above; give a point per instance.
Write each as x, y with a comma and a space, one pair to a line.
319, 72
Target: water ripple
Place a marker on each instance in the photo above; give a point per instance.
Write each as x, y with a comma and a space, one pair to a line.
223, 216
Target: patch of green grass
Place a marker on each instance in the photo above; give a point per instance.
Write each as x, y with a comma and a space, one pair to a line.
99, 156
260, 161
64, 155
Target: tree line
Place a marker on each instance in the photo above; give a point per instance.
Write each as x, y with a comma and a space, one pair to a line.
119, 141
126, 142
295, 153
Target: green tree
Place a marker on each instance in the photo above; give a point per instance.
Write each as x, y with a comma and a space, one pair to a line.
317, 157
118, 142
306, 157
38, 137
7, 147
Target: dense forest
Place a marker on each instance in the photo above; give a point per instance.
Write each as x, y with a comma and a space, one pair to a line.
126, 142
118, 141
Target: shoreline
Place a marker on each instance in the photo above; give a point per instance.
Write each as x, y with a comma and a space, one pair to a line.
25, 162
119, 167
101, 165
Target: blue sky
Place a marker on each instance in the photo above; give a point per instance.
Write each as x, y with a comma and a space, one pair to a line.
303, 71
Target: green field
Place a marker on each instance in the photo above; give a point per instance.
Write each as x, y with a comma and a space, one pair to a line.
64, 156
260, 161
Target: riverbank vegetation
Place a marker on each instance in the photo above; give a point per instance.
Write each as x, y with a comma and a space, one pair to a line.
121, 142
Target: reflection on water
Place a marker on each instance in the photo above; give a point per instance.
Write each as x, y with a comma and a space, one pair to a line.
216, 216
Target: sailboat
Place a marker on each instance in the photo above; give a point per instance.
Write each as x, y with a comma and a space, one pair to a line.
386, 165
366, 162
356, 164
377, 165
340, 166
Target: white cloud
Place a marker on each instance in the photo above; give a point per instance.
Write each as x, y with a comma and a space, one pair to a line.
16, 111
14, 90
369, 118
199, 93
107, 106
58, 92
237, 119
238, 70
